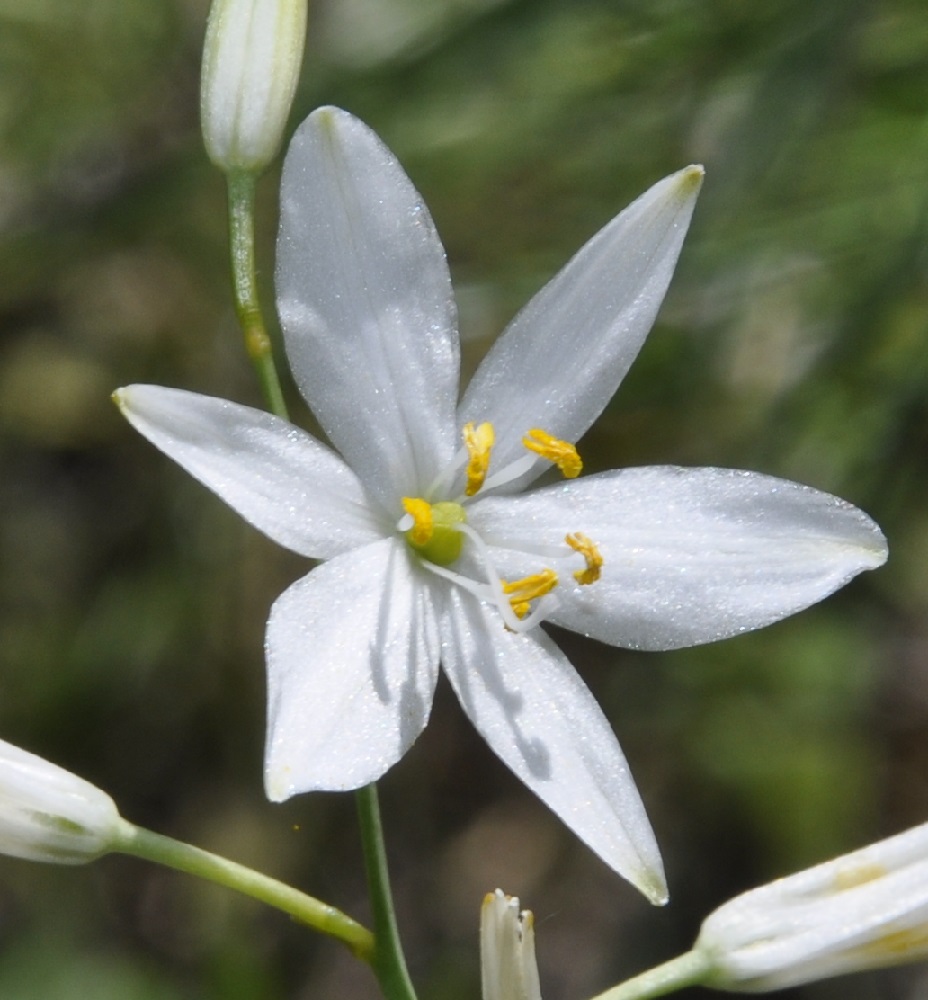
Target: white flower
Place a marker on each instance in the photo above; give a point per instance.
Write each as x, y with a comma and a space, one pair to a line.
49, 814
430, 552
863, 910
251, 65
507, 950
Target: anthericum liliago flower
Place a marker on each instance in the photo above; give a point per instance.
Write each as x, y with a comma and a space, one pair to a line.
432, 553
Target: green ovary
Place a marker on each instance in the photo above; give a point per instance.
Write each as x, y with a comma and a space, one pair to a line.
444, 546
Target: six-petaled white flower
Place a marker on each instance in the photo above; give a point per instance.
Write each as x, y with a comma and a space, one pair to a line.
432, 553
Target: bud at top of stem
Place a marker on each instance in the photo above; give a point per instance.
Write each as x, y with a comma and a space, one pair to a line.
251, 65
49, 814
507, 950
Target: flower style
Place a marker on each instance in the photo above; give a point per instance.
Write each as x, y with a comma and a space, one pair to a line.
432, 553
507, 950
49, 814
863, 910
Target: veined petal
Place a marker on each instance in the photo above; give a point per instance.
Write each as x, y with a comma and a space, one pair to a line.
279, 478
689, 555
562, 358
529, 704
352, 660
366, 306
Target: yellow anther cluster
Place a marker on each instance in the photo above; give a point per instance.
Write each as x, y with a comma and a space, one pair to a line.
562, 453
522, 592
479, 442
591, 554
423, 524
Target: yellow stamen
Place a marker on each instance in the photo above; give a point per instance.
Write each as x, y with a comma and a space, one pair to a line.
562, 453
421, 513
594, 559
523, 592
479, 442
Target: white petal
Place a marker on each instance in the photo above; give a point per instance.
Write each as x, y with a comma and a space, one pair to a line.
562, 358
528, 703
690, 555
279, 478
366, 306
352, 660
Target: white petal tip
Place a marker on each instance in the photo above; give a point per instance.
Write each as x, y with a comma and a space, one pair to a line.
653, 888
690, 179
278, 785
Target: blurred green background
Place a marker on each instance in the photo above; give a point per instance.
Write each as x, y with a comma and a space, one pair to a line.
794, 341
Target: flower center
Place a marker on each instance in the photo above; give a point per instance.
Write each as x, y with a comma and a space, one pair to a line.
437, 531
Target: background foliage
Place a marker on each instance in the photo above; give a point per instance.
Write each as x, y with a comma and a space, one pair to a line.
132, 604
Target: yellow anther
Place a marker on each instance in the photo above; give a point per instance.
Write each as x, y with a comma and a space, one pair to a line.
562, 453
593, 557
479, 442
522, 592
421, 513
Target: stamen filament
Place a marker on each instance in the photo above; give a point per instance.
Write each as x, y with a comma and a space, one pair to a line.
585, 546
493, 590
562, 453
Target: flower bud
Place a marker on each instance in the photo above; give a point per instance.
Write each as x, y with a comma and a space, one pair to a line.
251, 64
49, 814
507, 950
860, 911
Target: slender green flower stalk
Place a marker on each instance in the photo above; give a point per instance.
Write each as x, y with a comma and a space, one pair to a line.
258, 347
311, 912
251, 64
49, 814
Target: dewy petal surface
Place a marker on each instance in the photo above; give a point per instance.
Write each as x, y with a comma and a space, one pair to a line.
352, 660
690, 555
561, 359
538, 716
366, 306
278, 477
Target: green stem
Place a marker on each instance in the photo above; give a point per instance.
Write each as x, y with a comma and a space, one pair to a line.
142, 843
388, 962
241, 188
686, 970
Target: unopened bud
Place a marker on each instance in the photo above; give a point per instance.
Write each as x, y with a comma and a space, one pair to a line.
251, 65
861, 911
49, 814
507, 950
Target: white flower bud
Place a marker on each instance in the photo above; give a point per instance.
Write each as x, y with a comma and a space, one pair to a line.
861, 911
49, 814
251, 64
507, 950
